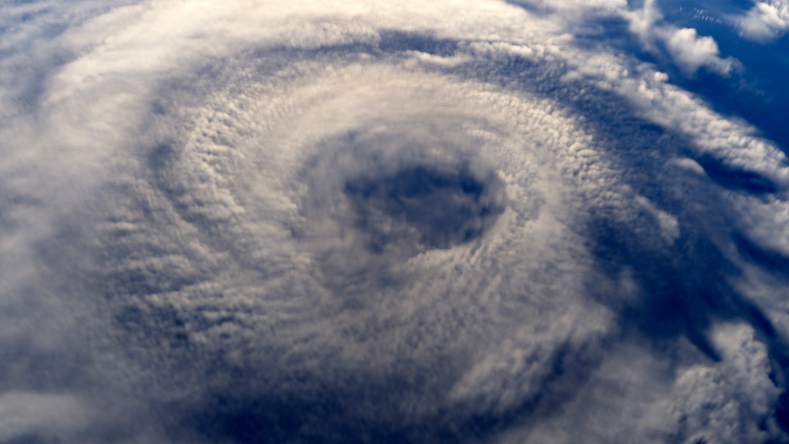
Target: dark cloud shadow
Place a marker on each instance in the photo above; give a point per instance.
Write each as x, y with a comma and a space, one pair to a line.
734, 179
766, 259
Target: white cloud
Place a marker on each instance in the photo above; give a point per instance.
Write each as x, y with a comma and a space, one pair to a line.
690, 165
691, 52
688, 50
669, 225
765, 21
44, 415
732, 141
722, 401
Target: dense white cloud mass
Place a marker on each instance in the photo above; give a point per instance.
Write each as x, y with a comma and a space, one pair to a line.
765, 21
457, 221
689, 51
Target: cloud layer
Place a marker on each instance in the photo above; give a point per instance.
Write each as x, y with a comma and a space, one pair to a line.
262, 222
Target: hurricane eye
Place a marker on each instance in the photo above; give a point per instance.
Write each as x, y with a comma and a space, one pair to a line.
424, 206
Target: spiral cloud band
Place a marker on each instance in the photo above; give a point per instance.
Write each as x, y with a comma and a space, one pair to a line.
254, 221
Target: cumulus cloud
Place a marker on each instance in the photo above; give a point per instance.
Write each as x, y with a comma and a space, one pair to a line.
764, 22
687, 49
291, 222
683, 46
691, 52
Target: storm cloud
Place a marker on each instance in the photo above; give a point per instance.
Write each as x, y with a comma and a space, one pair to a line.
408, 222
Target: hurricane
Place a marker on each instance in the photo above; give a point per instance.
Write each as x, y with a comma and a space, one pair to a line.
394, 222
